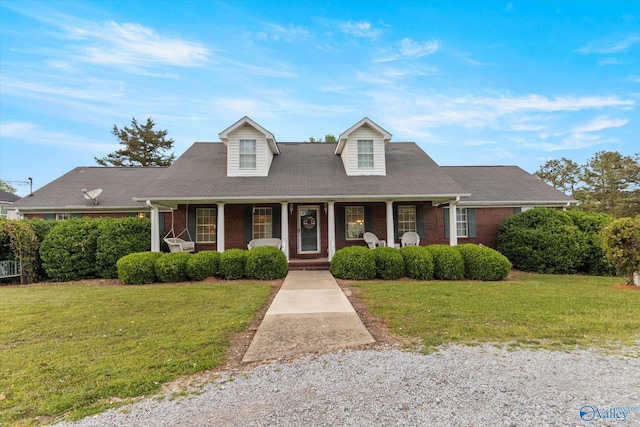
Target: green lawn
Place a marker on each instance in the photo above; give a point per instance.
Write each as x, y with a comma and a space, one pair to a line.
65, 350
529, 310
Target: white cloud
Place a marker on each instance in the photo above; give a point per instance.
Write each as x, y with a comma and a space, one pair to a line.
30, 133
413, 49
599, 123
360, 29
609, 46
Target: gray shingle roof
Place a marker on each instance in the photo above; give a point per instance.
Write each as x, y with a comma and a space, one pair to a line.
505, 185
8, 197
118, 187
302, 170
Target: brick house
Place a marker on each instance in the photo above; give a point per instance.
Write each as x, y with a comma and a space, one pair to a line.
315, 197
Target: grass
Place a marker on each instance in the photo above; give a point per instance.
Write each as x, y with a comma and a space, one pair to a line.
531, 310
67, 350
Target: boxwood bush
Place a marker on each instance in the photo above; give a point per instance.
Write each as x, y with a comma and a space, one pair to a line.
232, 264
353, 262
68, 252
266, 263
119, 237
542, 240
203, 264
447, 262
172, 267
593, 260
483, 263
138, 268
389, 263
418, 262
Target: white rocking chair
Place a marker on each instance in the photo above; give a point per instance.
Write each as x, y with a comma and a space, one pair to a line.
373, 241
410, 238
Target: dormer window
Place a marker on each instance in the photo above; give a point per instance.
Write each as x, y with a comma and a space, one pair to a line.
247, 154
365, 154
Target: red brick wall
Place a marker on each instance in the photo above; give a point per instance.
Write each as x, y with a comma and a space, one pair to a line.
487, 223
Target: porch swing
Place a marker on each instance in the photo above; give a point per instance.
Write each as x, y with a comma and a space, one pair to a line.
175, 243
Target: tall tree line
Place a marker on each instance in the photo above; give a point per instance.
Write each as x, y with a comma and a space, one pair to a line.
608, 182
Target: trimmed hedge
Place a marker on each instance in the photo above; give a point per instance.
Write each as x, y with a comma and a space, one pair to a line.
418, 262
483, 263
542, 240
447, 262
119, 237
593, 260
138, 268
203, 264
266, 263
172, 267
389, 263
354, 262
232, 264
68, 252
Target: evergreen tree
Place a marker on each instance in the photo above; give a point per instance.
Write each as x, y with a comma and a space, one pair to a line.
143, 146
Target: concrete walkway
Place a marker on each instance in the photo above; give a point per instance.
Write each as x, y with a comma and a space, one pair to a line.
310, 313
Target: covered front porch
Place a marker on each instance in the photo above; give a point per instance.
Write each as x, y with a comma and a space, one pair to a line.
307, 228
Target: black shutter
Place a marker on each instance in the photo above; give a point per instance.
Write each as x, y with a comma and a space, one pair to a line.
420, 227
247, 224
395, 225
276, 213
368, 218
340, 233
191, 223
446, 222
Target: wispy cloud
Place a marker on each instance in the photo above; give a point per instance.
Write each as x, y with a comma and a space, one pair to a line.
360, 29
610, 46
30, 133
291, 33
598, 124
413, 49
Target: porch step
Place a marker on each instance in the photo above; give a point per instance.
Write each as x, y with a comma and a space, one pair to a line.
309, 264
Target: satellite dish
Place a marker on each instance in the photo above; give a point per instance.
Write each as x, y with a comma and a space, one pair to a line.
92, 194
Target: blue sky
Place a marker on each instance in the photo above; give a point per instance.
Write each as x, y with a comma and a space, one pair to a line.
473, 83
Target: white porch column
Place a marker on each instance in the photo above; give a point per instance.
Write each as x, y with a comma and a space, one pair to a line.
284, 227
155, 227
453, 229
220, 228
332, 228
390, 234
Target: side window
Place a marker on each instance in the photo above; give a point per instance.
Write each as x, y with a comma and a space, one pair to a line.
406, 219
205, 225
262, 223
354, 222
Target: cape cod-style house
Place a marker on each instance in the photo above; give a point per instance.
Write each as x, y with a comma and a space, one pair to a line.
315, 197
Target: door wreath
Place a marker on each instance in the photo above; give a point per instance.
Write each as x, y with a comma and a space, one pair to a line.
308, 222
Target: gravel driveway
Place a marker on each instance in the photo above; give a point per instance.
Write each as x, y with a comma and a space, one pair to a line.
457, 386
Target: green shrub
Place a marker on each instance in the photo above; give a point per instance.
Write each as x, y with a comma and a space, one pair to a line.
354, 262
203, 264
621, 243
138, 268
172, 267
447, 262
389, 263
232, 264
542, 240
591, 224
41, 227
418, 262
119, 237
483, 263
68, 252
266, 263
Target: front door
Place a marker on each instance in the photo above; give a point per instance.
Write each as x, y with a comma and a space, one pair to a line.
308, 229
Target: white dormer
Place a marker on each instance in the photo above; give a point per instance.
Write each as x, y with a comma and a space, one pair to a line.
250, 148
362, 149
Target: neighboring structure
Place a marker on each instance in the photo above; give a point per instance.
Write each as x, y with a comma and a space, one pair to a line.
6, 200
315, 197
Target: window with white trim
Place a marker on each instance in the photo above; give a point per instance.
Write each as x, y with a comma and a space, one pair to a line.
262, 223
205, 225
247, 154
354, 222
462, 225
365, 154
62, 216
406, 219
